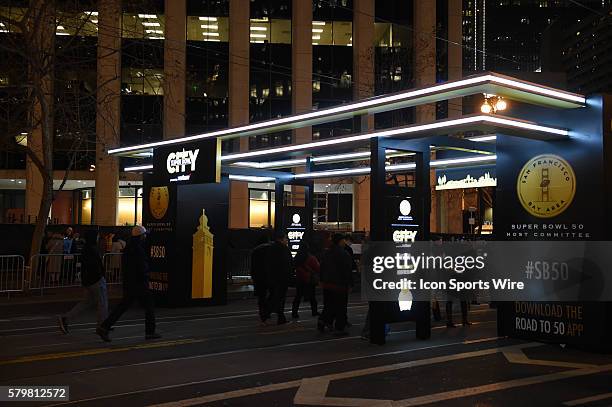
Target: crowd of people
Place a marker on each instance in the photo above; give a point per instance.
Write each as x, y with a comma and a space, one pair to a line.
272, 268
333, 271
59, 266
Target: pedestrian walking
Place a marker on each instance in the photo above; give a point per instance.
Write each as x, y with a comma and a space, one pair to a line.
464, 313
93, 282
135, 286
307, 278
278, 270
336, 282
259, 275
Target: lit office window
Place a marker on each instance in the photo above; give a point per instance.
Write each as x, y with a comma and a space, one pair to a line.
208, 28
261, 208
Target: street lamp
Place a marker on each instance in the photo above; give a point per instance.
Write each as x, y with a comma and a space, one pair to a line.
493, 103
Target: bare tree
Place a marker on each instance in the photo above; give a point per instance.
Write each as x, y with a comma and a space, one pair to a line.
48, 100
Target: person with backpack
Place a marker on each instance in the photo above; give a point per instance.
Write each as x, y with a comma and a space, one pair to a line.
307, 278
93, 282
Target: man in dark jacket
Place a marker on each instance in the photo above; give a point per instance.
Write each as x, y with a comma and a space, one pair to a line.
92, 280
135, 286
259, 275
336, 282
279, 269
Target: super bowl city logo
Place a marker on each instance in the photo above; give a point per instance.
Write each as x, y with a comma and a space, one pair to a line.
546, 185
405, 221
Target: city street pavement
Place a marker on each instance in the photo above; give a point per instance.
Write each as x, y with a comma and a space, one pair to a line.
221, 356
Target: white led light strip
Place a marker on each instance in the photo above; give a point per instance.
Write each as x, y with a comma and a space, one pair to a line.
364, 105
396, 167
139, 168
249, 178
353, 171
399, 131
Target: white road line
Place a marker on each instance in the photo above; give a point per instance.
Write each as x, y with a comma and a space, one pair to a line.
285, 345
222, 316
349, 374
586, 400
518, 356
295, 383
509, 384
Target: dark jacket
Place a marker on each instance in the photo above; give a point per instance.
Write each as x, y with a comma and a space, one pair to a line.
92, 269
259, 258
135, 266
280, 264
336, 269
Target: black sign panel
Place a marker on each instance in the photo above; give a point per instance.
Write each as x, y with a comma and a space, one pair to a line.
404, 221
294, 223
189, 163
553, 191
171, 215
159, 218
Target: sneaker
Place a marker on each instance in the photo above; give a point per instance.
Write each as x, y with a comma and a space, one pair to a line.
154, 335
103, 333
450, 325
63, 324
466, 323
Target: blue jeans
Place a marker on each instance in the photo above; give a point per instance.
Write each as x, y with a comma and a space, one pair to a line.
95, 294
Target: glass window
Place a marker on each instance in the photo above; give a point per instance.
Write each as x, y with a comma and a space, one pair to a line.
332, 33
86, 207
332, 62
207, 67
208, 28
143, 25
270, 77
333, 210
129, 206
142, 81
261, 208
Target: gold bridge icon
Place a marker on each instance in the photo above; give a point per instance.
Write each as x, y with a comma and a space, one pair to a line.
545, 184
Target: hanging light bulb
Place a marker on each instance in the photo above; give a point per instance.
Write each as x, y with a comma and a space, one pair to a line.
486, 107
500, 104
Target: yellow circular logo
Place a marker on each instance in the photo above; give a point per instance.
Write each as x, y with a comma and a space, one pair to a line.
159, 198
546, 185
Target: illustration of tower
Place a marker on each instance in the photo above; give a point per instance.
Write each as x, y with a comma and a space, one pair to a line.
202, 261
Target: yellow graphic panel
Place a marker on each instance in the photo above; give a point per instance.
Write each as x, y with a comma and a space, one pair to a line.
202, 261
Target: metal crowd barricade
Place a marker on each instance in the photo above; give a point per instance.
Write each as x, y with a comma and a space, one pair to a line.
239, 264
55, 271
112, 267
12, 274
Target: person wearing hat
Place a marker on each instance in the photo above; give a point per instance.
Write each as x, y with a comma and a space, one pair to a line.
336, 281
135, 286
92, 280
